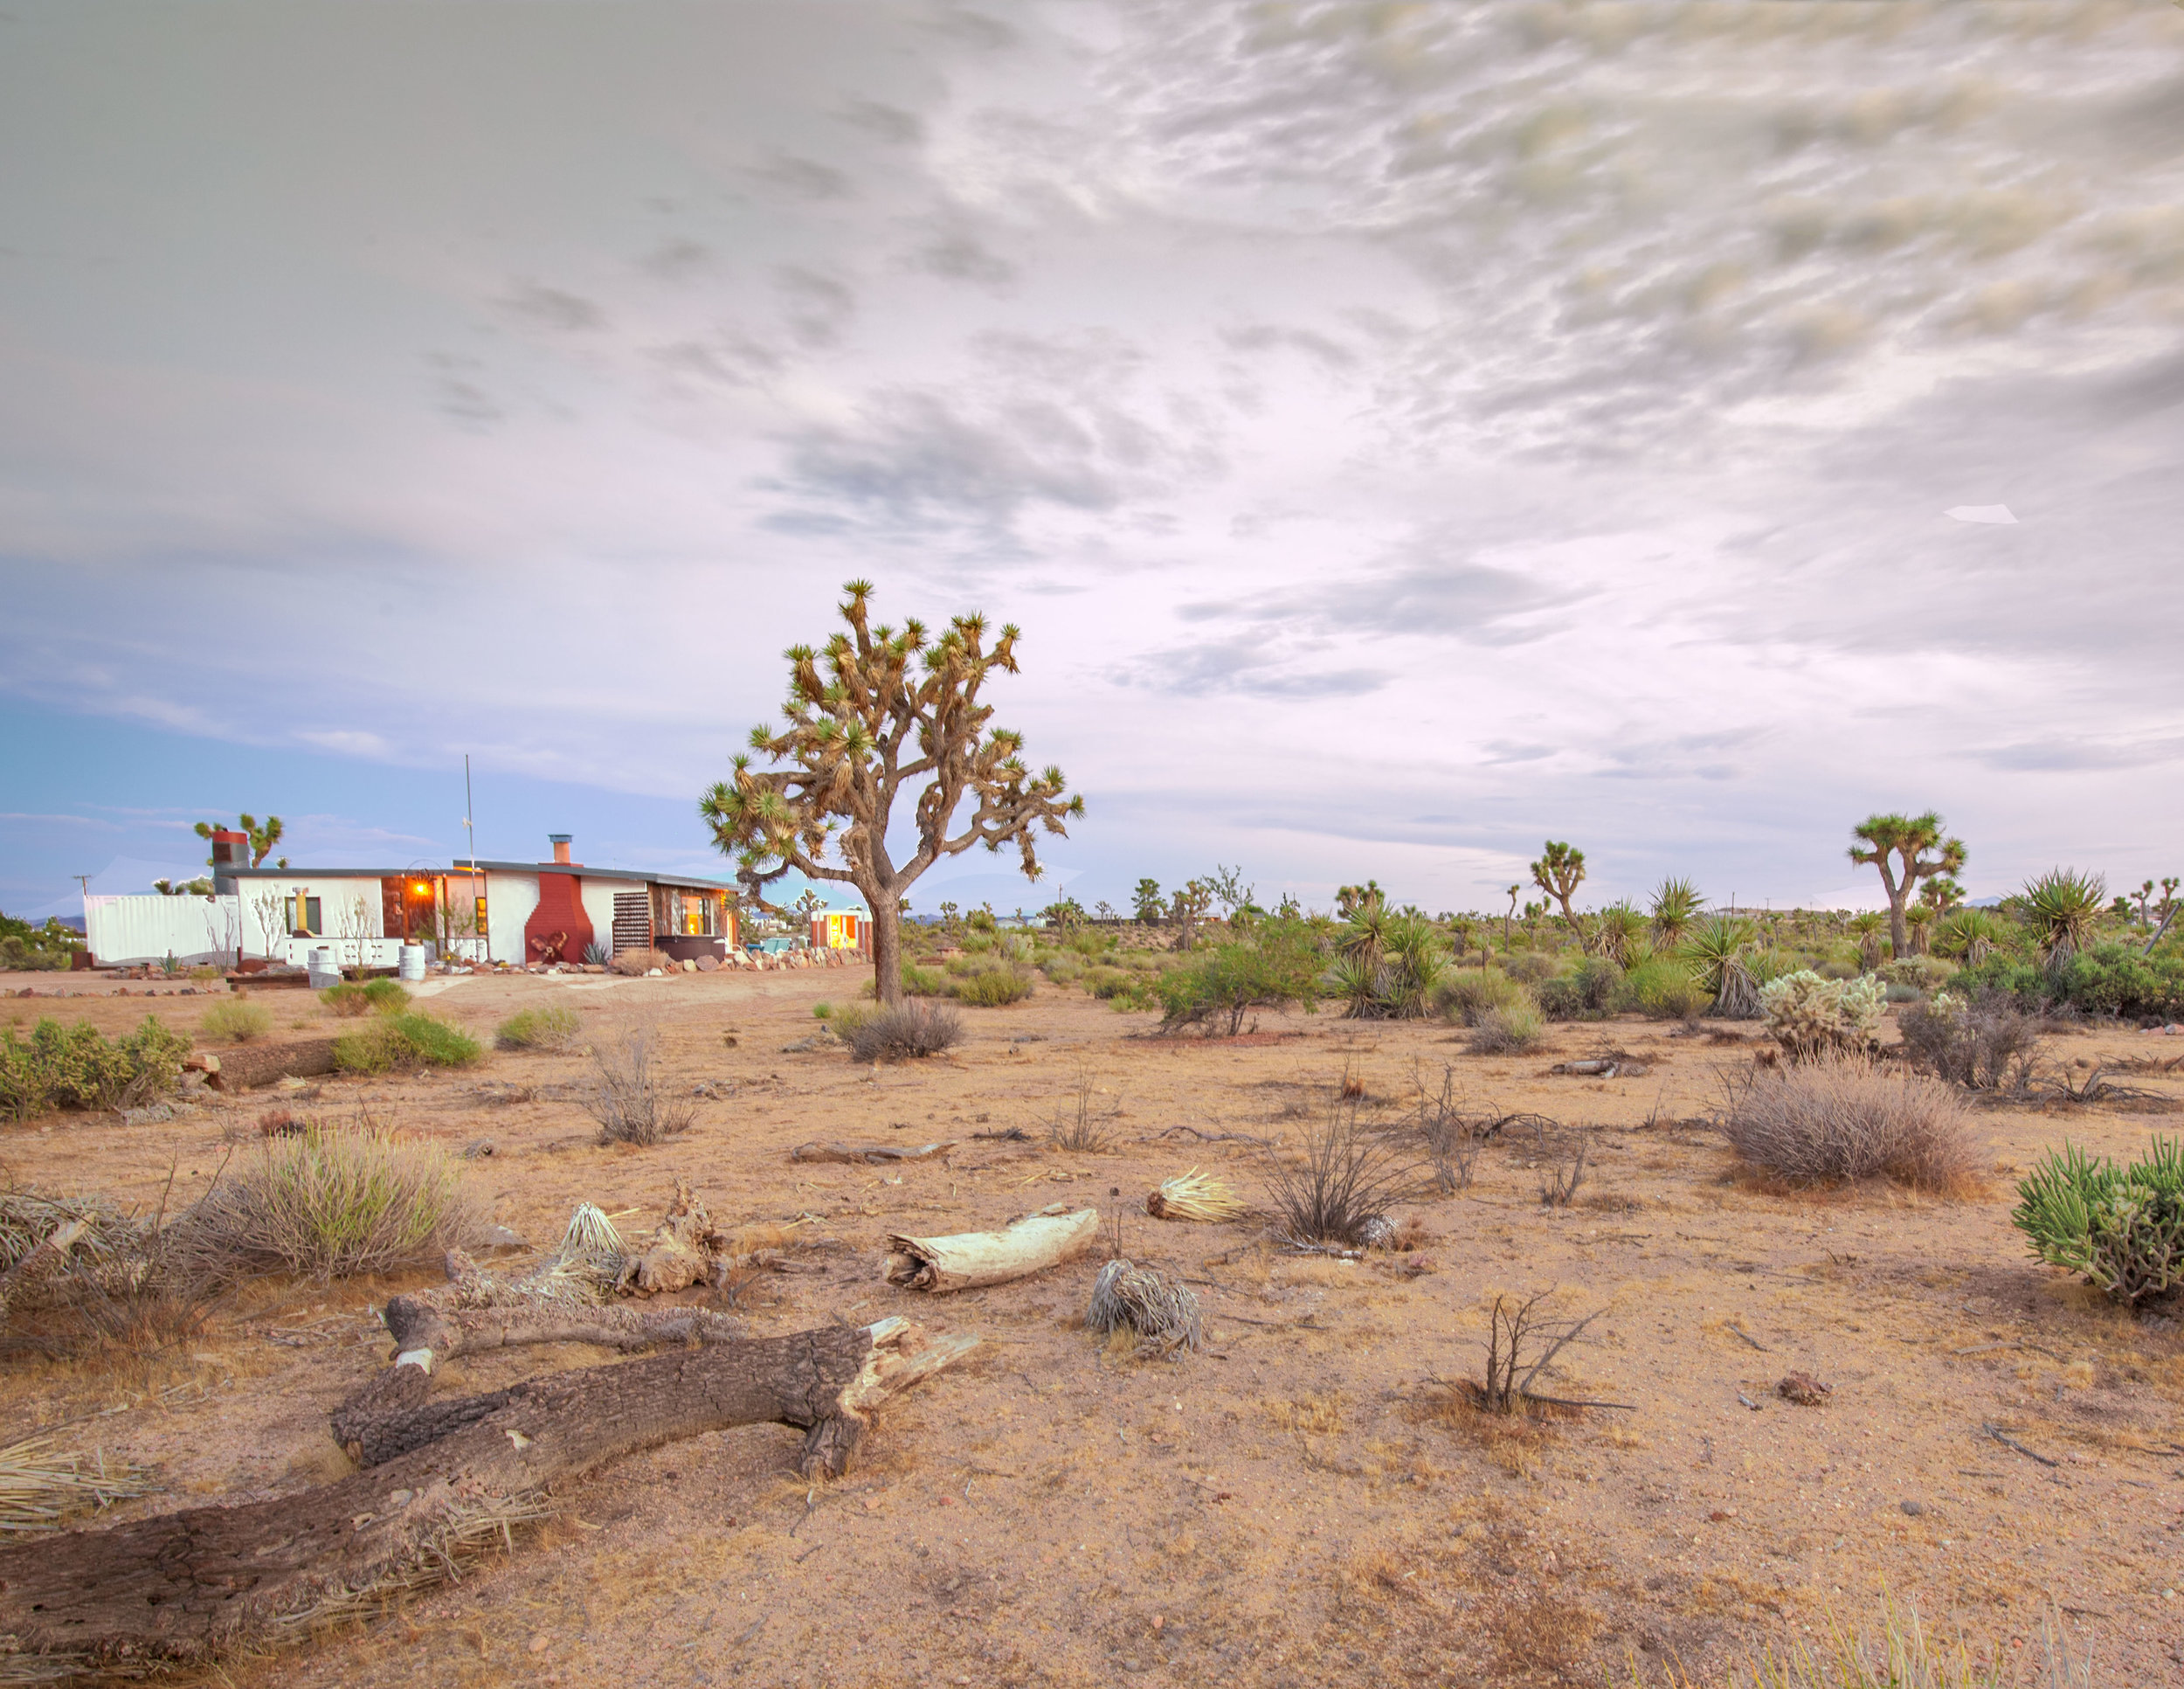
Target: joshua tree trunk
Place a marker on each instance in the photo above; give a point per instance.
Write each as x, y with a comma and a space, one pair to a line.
186, 1585
887, 945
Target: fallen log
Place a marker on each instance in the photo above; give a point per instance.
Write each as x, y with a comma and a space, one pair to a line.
256, 1064
969, 1259
870, 1154
189, 1585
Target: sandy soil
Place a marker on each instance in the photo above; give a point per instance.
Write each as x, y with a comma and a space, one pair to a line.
1300, 1503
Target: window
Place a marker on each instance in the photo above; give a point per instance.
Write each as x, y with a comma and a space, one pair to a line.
304, 919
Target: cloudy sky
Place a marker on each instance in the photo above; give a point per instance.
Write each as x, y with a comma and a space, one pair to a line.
1403, 433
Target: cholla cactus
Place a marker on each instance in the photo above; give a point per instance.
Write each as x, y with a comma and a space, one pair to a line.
1810, 1016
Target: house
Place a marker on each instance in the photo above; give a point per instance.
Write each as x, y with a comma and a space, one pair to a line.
556, 911
841, 929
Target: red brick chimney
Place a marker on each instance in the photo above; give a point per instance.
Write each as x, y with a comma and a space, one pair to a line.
560, 842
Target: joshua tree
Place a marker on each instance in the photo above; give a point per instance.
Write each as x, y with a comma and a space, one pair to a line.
1917, 918
1940, 894
1676, 905
1150, 905
2061, 907
1868, 928
1189, 906
1515, 892
860, 736
1920, 853
262, 839
1558, 872
1350, 898
2144, 895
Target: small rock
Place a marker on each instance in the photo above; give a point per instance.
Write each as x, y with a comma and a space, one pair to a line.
541, 1642
478, 1151
707, 964
1914, 1508
500, 1237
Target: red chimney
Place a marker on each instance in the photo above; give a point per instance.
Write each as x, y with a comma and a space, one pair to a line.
560, 842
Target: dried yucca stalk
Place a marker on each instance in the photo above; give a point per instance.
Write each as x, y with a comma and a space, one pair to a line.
40, 1486
1194, 1196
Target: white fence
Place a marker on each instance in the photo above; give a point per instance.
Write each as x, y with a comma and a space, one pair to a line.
121, 931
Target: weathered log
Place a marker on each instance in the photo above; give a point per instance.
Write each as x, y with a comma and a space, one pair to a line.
256, 1064
969, 1259
189, 1585
870, 1154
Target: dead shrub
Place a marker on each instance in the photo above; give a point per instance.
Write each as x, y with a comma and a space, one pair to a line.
80, 1278
1082, 1125
640, 961
1341, 1192
1545, 1631
629, 1097
912, 1029
1450, 1137
1990, 1043
1848, 1118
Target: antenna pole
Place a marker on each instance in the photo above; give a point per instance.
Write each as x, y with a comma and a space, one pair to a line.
470, 825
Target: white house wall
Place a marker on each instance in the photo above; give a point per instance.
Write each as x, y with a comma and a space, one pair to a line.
509, 900
597, 897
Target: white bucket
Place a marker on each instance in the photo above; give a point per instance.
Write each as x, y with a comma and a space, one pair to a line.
409, 962
324, 969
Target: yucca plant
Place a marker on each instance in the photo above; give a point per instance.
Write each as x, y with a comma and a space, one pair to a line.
1918, 919
1676, 904
2121, 1228
2062, 907
1618, 930
1718, 953
1866, 929
1971, 933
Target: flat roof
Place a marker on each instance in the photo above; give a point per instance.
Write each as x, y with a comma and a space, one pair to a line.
634, 876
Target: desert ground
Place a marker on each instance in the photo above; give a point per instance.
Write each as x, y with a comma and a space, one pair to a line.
1307, 1500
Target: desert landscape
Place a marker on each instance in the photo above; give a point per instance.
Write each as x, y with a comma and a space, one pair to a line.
1827, 1402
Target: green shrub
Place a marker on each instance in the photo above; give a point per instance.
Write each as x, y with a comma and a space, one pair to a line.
1663, 989
923, 981
1463, 996
2121, 1228
2110, 978
1587, 992
404, 1041
351, 998
1279, 967
2115, 979
1920, 973
27, 949
994, 988
1506, 1031
551, 1027
61, 1067
1064, 968
331, 1203
237, 1020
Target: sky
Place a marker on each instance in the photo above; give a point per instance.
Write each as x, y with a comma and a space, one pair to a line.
1403, 433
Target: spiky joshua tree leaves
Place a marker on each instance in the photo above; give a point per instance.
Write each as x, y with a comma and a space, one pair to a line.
1558, 872
881, 713
2062, 907
1906, 848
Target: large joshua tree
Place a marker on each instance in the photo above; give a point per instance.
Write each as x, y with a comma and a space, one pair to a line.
878, 713
1918, 852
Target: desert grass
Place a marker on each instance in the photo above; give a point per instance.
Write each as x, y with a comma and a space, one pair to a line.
903, 1033
1903, 1656
1846, 1118
238, 1021
548, 1027
331, 1202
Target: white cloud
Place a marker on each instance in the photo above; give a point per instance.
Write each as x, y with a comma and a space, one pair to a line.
1403, 433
